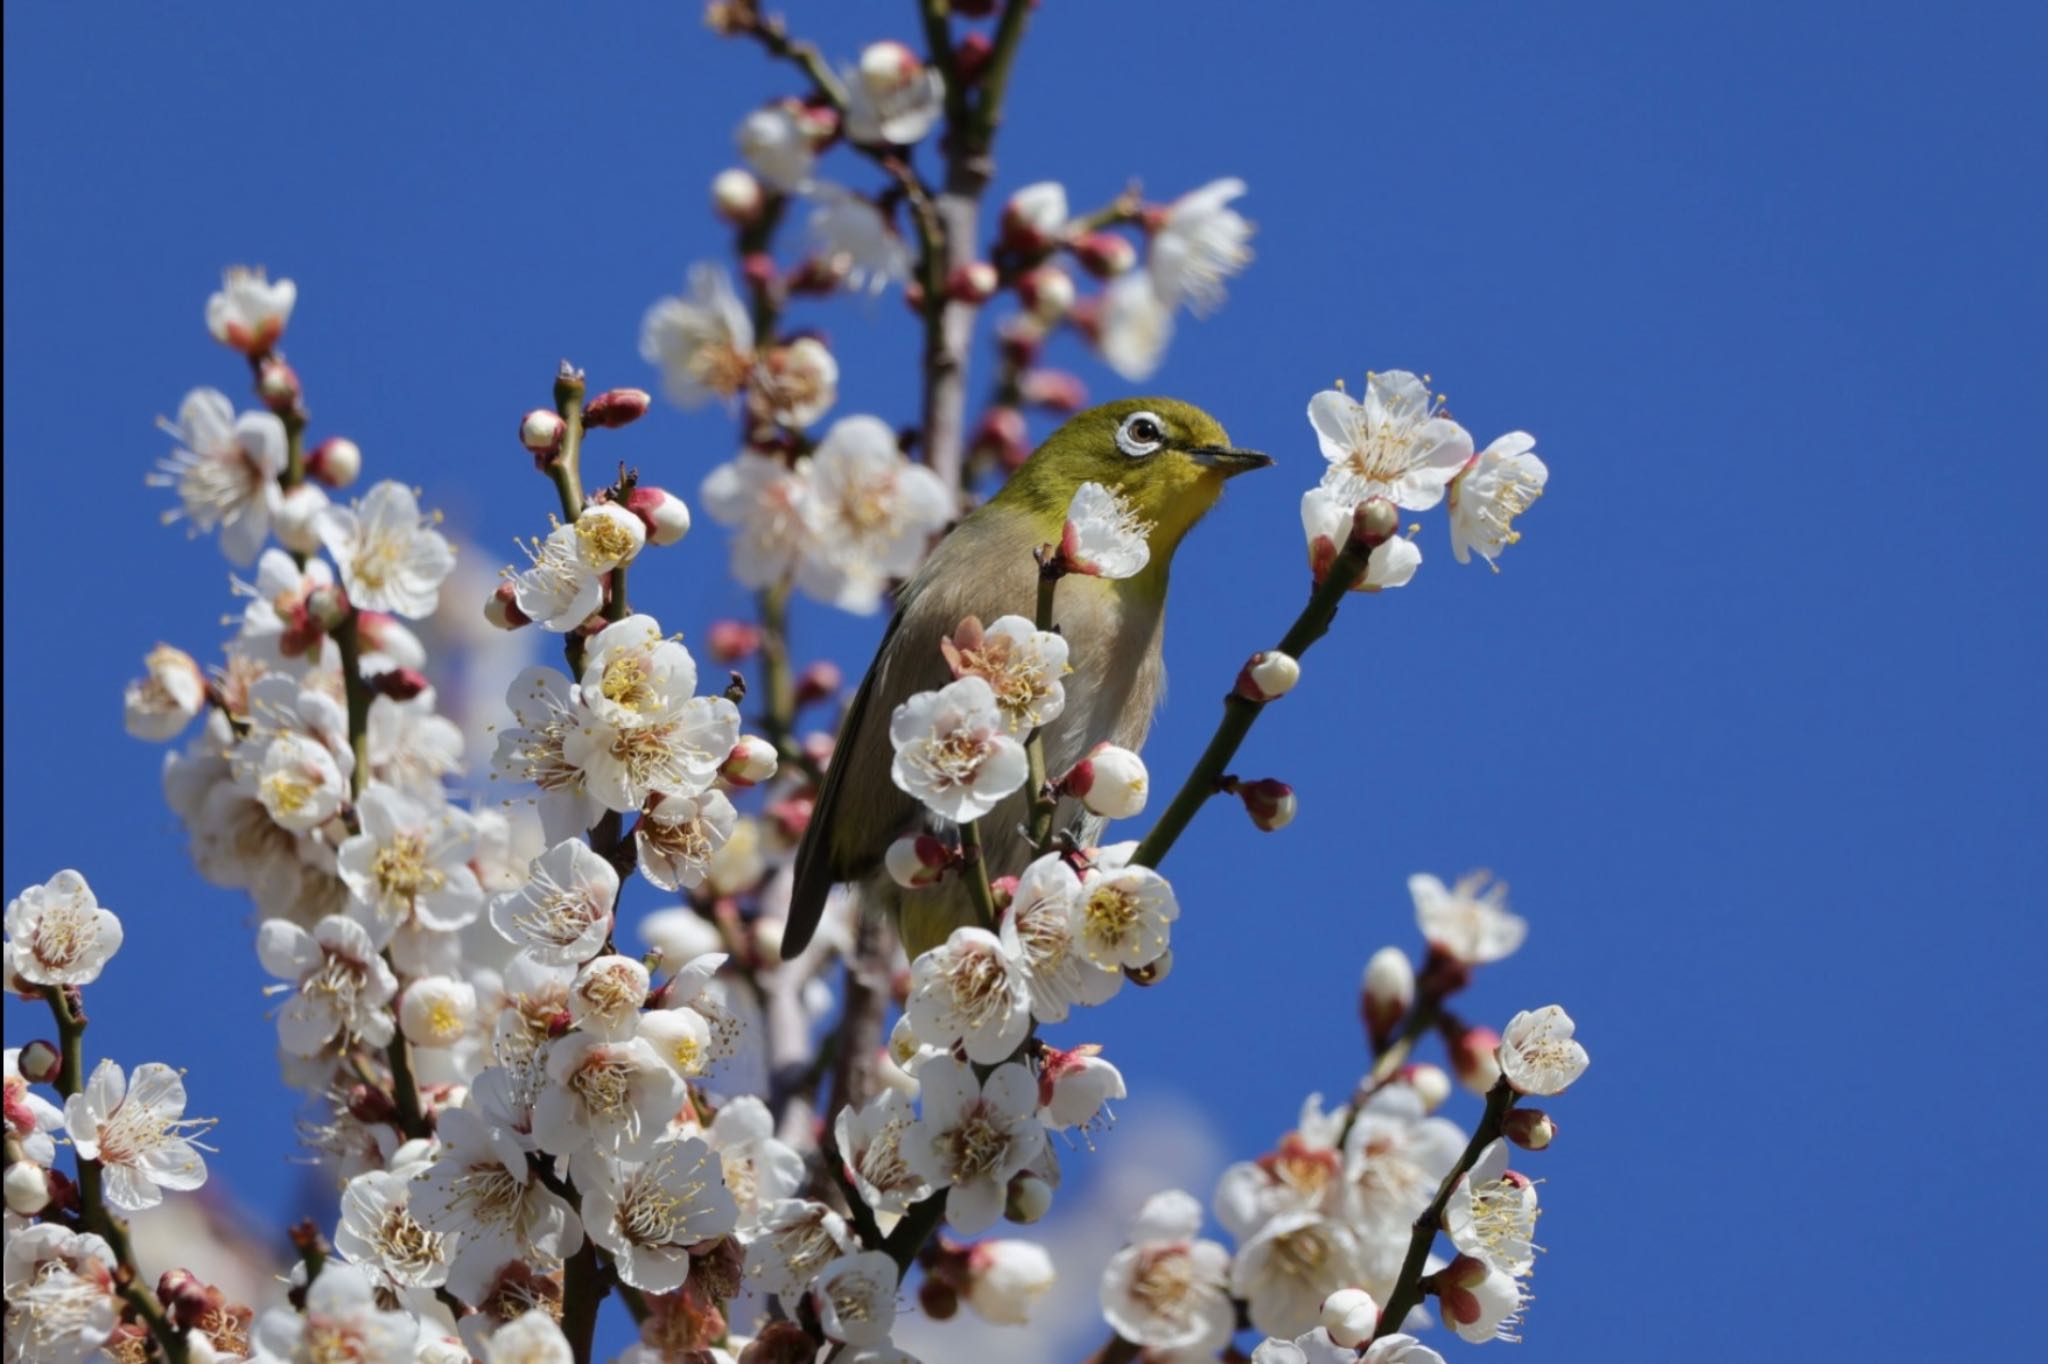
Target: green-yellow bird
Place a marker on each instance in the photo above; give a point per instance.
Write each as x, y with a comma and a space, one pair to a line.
1169, 461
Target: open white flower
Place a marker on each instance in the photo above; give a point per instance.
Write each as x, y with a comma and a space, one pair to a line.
1326, 519
608, 536
649, 1214
1022, 665
616, 1096
678, 837
607, 996
704, 343
795, 1238
1492, 1213
1042, 933
795, 383
891, 96
954, 751
763, 499
870, 1141
563, 914
1394, 1159
299, 782
379, 1232
532, 1337
847, 229
778, 146
1134, 326
680, 1037
1468, 922
481, 1191
969, 990
138, 1132
1538, 1053
344, 988
1168, 1289
1200, 242
760, 1170
869, 516
1395, 444
1104, 537
224, 470
410, 864
856, 1298
60, 1294
390, 556
58, 933
1400, 1349
1125, 914
437, 1011
633, 675
675, 755
1295, 1261
547, 710
171, 691
1499, 484
249, 311
30, 1117
276, 628
341, 1322
973, 1136
557, 590
413, 749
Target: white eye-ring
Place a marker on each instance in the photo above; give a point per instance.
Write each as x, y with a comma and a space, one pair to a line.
1141, 434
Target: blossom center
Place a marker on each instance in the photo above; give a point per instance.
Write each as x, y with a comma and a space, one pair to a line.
401, 869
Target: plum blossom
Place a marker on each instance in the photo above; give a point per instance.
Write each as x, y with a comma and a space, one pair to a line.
1394, 1159
869, 515
379, 1232
1199, 243
954, 752
616, 1096
1104, 536
344, 989
1075, 1087
1125, 915
225, 471
1499, 484
1395, 444
1286, 1270
1134, 325
760, 1170
249, 311
1492, 1212
30, 1117
58, 934
1480, 1301
137, 1130
648, 1214
166, 697
870, 1141
532, 1337
1041, 932
1538, 1053
777, 145
794, 385
653, 737
341, 1322
677, 838
410, 864
973, 1136
891, 96
299, 783
1005, 1279
847, 229
547, 709
794, 1239
856, 1298
607, 995
702, 343
563, 914
1022, 665
1326, 519
390, 556
1168, 1288
763, 499
971, 991
1469, 922
60, 1294
481, 1191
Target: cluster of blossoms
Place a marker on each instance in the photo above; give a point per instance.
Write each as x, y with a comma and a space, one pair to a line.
519, 1114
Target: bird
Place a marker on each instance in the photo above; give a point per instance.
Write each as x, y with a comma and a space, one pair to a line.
1168, 460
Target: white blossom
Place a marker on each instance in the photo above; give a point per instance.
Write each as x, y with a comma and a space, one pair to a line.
344, 988
547, 709
680, 1037
856, 1298
1168, 1289
649, 1214
164, 699
869, 514
607, 996
1036, 215
410, 864
60, 1294
954, 752
1499, 484
760, 1170
1286, 1270
616, 1096
30, 1117
1538, 1053
892, 97
677, 838
225, 471
1395, 444
1134, 326
249, 311
59, 934
973, 1136
702, 343
763, 499
557, 590
563, 914
390, 556
1022, 665
870, 1141
1104, 536
795, 383
1479, 1301
299, 783
137, 1130
848, 229
1200, 242
971, 991
1394, 1158
341, 1322
1492, 1211
482, 1192
1075, 1087
1125, 914
677, 753
379, 1232
794, 1239
532, 1337
1468, 922
634, 676
1326, 519
1042, 933
437, 1011
778, 147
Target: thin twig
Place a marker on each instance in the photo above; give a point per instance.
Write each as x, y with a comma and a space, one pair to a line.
1407, 1291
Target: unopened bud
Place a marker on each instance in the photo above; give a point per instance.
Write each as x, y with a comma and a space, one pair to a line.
1055, 390
751, 762
296, 518
971, 54
1034, 217
1110, 781
818, 682
502, 610
28, 1188
1268, 676
758, 268
888, 68
1029, 1198
1153, 971
1269, 802
916, 860
1375, 521
277, 384
336, 461
1529, 1128
937, 1300
1388, 991
1350, 1316
1475, 1059
733, 640
541, 431
666, 516
1105, 255
327, 606
1003, 437
1429, 1082
736, 197
186, 1297
40, 1062
974, 282
1047, 292
369, 1104
791, 816
616, 407
1020, 337
400, 684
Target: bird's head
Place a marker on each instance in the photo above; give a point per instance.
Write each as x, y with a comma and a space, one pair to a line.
1168, 459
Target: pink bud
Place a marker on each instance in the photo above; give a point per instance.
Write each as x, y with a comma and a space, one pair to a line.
40, 1062
1475, 1060
759, 269
326, 608
1268, 676
1529, 1128
971, 53
666, 516
1388, 991
818, 276
400, 684
1021, 337
733, 640
791, 815
818, 682
1003, 437
187, 1298
736, 197
1105, 255
616, 407
916, 860
502, 610
1034, 217
1047, 292
278, 385
541, 431
1056, 390
751, 762
335, 462
1269, 802
974, 282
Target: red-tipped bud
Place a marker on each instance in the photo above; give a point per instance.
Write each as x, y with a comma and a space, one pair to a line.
916, 860
819, 748
971, 54
336, 462
502, 610
40, 1062
1152, 972
1002, 437
1475, 1059
1035, 217
1268, 676
1529, 1128
616, 407
1104, 255
820, 275
326, 608
1429, 1082
737, 197
541, 431
666, 516
1047, 292
819, 119
277, 384
818, 682
751, 762
1021, 336
1388, 990
1375, 521
1055, 390
187, 1298
369, 1104
1110, 781
974, 282
1269, 802
759, 269
400, 684
733, 640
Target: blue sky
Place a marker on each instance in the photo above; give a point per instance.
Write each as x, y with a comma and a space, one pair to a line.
1744, 719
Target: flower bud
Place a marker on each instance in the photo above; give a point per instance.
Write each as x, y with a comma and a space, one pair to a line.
974, 282
187, 1298
400, 684
791, 816
1529, 1128
40, 1062
1034, 217
1028, 1199
1475, 1060
888, 68
336, 462
1076, 1086
1104, 255
666, 516
541, 431
1375, 521
277, 384
1269, 802
1388, 991
295, 519
758, 269
502, 610
616, 407
818, 682
1006, 1278
1003, 437
937, 1300
972, 53
1110, 781
736, 197
1476, 1298
1047, 293
1429, 1082
436, 1011
1055, 390
1268, 676
1020, 337
327, 606
916, 860
733, 640
28, 1188
1153, 971
751, 762
1350, 1316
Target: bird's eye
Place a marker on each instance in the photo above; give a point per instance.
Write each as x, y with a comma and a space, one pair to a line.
1141, 434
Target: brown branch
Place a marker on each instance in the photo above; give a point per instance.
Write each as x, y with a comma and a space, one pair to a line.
1407, 1294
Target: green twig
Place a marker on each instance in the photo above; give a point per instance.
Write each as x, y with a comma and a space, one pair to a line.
974, 867
1407, 1293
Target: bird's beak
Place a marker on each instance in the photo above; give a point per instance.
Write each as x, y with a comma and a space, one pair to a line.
1230, 463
